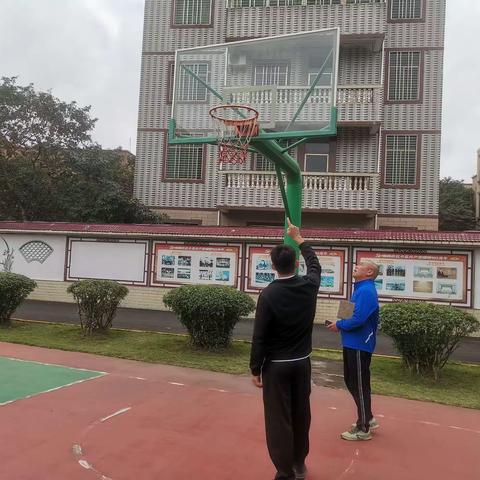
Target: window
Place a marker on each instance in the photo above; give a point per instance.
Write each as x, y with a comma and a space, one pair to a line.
192, 12
401, 160
271, 74
261, 163
316, 157
406, 9
189, 88
404, 76
184, 162
316, 162
325, 79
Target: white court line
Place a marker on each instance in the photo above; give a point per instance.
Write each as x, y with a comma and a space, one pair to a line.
178, 384
119, 412
53, 389
218, 390
54, 365
137, 378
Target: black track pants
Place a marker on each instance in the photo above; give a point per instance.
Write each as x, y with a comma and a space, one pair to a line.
356, 371
286, 400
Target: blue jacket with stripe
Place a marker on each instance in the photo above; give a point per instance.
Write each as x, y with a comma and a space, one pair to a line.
360, 330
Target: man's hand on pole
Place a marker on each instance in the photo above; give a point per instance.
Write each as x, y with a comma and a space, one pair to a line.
294, 233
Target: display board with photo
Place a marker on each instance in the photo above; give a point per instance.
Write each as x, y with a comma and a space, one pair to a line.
430, 276
260, 271
195, 264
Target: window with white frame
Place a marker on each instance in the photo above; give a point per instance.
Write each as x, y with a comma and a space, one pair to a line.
192, 12
184, 162
404, 76
271, 74
406, 9
401, 160
278, 3
189, 88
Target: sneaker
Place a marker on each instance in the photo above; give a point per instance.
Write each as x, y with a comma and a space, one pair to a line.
355, 434
300, 472
373, 424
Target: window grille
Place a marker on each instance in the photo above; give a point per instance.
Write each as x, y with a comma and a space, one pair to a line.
271, 74
406, 9
401, 160
192, 12
404, 76
184, 162
190, 89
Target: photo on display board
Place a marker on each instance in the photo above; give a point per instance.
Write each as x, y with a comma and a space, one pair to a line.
184, 261
380, 269
222, 275
184, 273
223, 262
395, 286
446, 288
167, 272
395, 270
447, 273
168, 259
264, 277
422, 287
378, 283
205, 274
327, 281
263, 264
422, 272
206, 262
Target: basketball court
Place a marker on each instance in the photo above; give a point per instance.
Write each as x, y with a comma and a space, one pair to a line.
126, 420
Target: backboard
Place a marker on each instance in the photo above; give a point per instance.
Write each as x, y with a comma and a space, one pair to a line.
289, 79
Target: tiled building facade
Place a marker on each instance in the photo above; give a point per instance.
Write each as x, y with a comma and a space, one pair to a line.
382, 168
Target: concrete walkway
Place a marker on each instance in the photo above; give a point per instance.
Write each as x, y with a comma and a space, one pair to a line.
161, 321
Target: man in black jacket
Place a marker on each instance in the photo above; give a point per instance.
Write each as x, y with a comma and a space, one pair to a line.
280, 356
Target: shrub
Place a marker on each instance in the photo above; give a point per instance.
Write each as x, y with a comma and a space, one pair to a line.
209, 312
97, 302
14, 289
426, 334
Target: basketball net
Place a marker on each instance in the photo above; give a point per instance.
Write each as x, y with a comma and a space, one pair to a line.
236, 125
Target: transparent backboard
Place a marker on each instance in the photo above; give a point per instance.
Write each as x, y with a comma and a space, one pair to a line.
289, 79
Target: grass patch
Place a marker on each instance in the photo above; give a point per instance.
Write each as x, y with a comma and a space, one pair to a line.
459, 384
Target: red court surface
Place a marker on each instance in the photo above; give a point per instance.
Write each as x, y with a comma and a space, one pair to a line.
154, 422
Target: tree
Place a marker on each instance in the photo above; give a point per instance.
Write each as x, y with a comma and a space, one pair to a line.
456, 209
50, 169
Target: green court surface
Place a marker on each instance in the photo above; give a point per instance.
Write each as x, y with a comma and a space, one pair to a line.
20, 379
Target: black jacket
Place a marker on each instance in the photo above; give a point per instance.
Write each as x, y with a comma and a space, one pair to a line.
285, 314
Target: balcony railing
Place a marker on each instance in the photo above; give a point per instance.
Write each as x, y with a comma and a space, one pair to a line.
280, 3
355, 103
321, 191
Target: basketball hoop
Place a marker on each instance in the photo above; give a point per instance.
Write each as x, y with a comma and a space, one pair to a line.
236, 125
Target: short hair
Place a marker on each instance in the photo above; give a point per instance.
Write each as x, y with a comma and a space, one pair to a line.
373, 265
283, 259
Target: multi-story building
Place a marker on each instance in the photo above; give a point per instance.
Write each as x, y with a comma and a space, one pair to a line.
476, 190
381, 170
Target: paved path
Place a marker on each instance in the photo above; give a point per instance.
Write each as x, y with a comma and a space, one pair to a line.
160, 321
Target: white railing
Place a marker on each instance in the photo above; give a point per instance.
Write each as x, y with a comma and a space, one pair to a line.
277, 3
363, 94
352, 191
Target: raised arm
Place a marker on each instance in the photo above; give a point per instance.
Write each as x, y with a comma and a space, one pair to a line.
314, 269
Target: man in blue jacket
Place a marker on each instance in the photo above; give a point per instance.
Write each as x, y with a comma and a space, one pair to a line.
358, 340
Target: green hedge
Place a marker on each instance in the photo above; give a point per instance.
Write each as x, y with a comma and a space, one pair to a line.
14, 289
426, 334
97, 302
209, 312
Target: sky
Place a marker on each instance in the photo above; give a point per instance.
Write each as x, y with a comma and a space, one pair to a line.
90, 51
